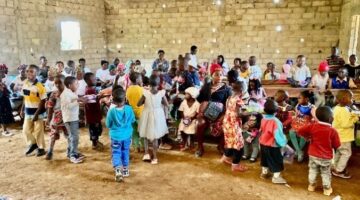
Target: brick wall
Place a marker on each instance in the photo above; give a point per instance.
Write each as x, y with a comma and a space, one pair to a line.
26, 24
349, 8
237, 28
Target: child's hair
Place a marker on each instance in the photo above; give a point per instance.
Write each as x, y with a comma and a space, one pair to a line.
238, 86
134, 76
257, 85
87, 76
342, 94
270, 64
193, 48
161, 51
60, 77
324, 114
118, 95
282, 93
82, 60
35, 67
270, 107
70, 62
300, 56
232, 75
154, 81
104, 62
69, 80
308, 94
145, 80
59, 62
237, 59
244, 62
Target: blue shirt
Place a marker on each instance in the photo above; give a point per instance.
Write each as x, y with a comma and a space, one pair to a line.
119, 121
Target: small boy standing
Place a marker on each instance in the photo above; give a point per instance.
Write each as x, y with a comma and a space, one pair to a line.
133, 95
70, 113
119, 120
344, 123
34, 109
323, 139
271, 140
93, 112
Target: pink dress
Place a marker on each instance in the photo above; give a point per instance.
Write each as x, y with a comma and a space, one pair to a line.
232, 124
260, 96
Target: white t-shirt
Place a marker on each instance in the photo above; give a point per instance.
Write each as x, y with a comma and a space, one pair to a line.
299, 73
49, 86
102, 74
81, 88
69, 106
18, 84
320, 82
193, 60
255, 72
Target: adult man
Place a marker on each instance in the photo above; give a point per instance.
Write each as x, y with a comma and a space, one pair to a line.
335, 62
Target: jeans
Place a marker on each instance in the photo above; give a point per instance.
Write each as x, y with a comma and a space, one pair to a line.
323, 166
254, 145
73, 138
120, 152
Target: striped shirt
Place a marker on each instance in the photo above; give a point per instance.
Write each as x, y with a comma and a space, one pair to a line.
34, 93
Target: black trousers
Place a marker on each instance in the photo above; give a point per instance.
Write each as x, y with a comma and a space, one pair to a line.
95, 130
235, 154
272, 158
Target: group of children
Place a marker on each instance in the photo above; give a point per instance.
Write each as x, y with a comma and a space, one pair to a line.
252, 122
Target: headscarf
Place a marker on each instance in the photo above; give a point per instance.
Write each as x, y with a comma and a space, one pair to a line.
215, 67
121, 66
193, 91
323, 66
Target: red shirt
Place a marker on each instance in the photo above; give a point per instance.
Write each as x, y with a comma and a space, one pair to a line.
323, 139
92, 110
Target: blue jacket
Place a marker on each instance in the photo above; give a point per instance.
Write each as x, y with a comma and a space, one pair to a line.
120, 121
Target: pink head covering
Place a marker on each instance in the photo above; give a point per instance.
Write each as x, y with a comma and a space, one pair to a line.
121, 66
286, 68
202, 69
323, 66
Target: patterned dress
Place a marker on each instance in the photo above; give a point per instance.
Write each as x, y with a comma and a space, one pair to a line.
303, 116
232, 124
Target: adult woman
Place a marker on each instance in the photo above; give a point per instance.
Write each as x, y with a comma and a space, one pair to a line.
213, 92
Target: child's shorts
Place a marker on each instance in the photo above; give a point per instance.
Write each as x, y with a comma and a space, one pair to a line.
55, 131
272, 158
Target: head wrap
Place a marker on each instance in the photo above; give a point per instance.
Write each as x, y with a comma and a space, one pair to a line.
112, 67
202, 69
121, 66
194, 92
323, 66
215, 67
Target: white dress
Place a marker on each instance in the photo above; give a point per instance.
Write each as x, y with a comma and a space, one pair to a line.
152, 123
189, 112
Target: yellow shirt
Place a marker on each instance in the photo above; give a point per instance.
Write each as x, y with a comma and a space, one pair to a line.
245, 74
34, 93
344, 123
133, 95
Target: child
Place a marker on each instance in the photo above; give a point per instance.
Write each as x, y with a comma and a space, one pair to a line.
255, 70
286, 69
251, 130
271, 140
237, 64
244, 70
344, 122
234, 141
70, 112
119, 120
323, 139
152, 123
299, 75
188, 112
93, 112
256, 91
270, 73
69, 70
304, 114
6, 116
342, 81
34, 108
133, 95
54, 119
284, 111
320, 81
50, 83
232, 77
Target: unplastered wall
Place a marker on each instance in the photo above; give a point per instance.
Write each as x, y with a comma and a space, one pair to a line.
349, 9
236, 28
35, 24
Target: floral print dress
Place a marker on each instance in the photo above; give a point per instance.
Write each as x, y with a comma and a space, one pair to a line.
232, 124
